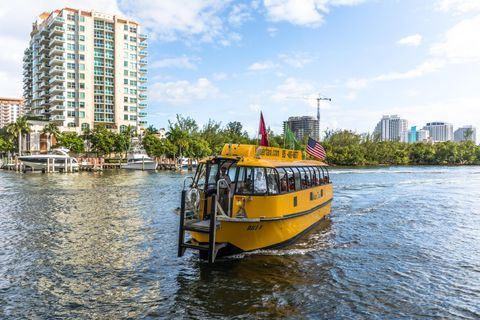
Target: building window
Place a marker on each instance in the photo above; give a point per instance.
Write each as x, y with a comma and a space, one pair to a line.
71, 56
70, 27
70, 65
85, 126
71, 94
125, 117
125, 27
70, 46
71, 124
82, 66
82, 19
81, 76
82, 57
81, 37
81, 104
71, 85
70, 36
71, 17
81, 114
82, 28
81, 95
71, 75
71, 113
81, 47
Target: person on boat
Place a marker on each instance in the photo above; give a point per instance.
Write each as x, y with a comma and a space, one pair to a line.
283, 183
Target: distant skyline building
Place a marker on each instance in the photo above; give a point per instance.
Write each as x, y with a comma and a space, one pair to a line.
466, 133
84, 68
423, 135
302, 127
392, 128
412, 135
439, 131
10, 110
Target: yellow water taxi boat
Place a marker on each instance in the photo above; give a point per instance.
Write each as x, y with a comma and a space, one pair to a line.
251, 198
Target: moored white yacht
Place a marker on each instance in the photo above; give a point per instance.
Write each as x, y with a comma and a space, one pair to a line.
57, 159
138, 159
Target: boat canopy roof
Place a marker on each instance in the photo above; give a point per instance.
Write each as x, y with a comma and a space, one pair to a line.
259, 156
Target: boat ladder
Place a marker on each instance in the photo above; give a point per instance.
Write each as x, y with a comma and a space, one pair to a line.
209, 226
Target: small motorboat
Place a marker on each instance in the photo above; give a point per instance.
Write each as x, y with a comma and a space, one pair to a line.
57, 160
138, 159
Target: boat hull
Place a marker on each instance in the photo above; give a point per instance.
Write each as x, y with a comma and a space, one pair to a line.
150, 165
253, 234
41, 164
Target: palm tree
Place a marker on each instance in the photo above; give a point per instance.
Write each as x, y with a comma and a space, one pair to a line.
17, 129
50, 130
468, 134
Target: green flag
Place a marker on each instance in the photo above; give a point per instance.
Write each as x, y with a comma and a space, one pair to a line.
290, 139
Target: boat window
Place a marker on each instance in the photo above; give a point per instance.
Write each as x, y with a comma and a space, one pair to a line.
296, 174
321, 174
231, 171
305, 177
272, 181
290, 179
309, 172
260, 181
200, 176
315, 176
212, 175
283, 180
245, 182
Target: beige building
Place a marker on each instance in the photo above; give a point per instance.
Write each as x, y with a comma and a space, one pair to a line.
84, 68
10, 110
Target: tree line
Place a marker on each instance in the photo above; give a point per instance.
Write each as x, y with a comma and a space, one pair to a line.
184, 138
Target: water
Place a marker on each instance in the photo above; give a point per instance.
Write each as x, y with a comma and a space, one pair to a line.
401, 242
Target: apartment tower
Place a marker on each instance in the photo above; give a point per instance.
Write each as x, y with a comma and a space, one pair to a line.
10, 110
303, 127
465, 133
83, 69
440, 131
392, 128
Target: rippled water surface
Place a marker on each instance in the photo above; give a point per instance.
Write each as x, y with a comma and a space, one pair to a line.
401, 242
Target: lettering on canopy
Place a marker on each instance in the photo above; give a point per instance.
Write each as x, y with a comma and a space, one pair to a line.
268, 153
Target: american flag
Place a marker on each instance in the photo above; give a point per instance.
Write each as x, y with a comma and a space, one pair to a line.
315, 149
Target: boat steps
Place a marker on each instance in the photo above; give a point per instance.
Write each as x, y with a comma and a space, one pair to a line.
202, 226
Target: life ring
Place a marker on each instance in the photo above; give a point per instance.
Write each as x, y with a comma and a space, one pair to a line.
193, 198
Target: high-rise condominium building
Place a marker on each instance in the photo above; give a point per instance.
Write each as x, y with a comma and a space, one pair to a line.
440, 131
84, 68
392, 128
423, 135
10, 110
466, 133
303, 127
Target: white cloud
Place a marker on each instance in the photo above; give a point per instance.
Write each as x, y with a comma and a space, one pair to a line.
308, 13
261, 66
461, 42
293, 88
183, 91
428, 66
413, 40
458, 6
188, 20
183, 62
272, 32
220, 76
239, 14
296, 60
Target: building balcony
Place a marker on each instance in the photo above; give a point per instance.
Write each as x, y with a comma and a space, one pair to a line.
43, 49
56, 89
142, 70
142, 114
58, 109
57, 70
142, 79
56, 31
142, 123
43, 58
142, 105
143, 53
143, 61
142, 88
44, 40
56, 60
56, 79
57, 40
57, 50
58, 118
57, 99
142, 96
143, 36
43, 66
57, 21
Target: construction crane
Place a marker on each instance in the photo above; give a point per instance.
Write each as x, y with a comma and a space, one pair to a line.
319, 98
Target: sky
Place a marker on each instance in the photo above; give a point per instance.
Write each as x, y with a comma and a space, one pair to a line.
229, 60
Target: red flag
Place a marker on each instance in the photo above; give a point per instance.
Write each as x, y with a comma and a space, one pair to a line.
262, 130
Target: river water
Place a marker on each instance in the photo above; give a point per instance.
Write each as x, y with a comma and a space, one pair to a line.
401, 242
